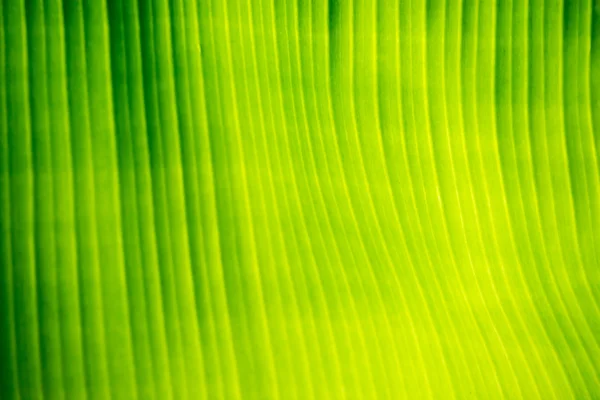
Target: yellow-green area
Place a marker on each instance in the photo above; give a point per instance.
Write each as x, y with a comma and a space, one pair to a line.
299, 199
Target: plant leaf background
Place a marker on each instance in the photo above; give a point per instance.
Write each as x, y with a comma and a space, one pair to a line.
273, 199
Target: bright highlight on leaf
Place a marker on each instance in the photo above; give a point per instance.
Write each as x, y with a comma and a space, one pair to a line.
276, 199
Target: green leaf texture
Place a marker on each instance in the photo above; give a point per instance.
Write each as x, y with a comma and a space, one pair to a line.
299, 199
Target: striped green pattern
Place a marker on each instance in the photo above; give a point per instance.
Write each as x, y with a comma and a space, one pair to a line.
299, 199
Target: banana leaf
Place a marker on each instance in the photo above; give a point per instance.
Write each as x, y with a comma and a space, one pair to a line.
312, 199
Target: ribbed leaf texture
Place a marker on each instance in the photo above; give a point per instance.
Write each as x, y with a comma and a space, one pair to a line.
281, 199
